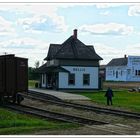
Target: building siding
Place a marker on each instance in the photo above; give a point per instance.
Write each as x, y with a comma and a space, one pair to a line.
116, 73
79, 71
72, 56
125, 73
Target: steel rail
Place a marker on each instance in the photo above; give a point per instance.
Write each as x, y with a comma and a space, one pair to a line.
43, 97
53, 115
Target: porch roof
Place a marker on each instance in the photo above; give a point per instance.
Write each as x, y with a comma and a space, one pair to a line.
51, 69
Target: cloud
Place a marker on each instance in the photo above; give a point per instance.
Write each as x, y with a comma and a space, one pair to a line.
106, 13
134, 10
109, 52
6, 27
32, 22
30, 48
43, 18
26, 43
105, 50
103, 5
110, 5
107, 29
43, 23
29, 15
133, 49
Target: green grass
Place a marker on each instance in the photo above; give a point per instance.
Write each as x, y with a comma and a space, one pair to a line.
124, 99
31, 83
13, 123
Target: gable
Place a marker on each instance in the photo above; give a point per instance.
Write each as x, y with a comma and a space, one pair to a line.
53, 49
72, 48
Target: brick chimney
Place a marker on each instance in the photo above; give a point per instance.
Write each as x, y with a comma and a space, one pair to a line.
75, 33
125, 56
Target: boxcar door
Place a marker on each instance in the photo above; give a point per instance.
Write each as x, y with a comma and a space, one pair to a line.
22, 74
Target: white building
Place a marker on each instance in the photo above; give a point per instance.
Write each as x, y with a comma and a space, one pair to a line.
123, 69
71, 65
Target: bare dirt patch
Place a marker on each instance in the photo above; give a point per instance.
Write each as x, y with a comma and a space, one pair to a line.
121, 85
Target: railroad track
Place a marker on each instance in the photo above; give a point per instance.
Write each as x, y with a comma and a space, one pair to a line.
53, 115
43, 97
104, 127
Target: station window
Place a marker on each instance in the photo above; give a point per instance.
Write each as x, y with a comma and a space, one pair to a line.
43, 78
86, 79
137, 72
71, 80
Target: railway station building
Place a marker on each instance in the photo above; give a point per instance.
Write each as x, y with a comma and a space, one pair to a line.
70, 65
123, 69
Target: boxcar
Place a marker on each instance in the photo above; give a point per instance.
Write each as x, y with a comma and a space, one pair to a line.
13, 76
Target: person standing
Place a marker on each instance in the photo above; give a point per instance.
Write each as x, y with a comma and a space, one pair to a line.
109, 95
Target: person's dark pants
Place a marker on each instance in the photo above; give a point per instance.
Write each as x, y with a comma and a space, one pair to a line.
109, 100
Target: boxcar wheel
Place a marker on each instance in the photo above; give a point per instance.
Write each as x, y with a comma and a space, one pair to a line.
19, 98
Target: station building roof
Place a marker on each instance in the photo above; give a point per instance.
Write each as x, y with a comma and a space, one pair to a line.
72, 48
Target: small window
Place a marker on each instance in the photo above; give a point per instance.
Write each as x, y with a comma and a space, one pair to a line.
128, 71
71, 79
136, 72
116, 74
113, 72
86, 79
121, 72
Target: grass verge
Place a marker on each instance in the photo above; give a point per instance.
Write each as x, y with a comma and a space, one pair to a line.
124, 99
12, 123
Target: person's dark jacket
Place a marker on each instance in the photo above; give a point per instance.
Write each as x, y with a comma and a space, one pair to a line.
109, 93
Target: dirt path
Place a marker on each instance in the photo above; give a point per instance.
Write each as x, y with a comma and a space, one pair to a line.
121, 85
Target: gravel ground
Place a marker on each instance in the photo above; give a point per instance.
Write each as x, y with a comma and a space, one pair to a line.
79, 131
71, 111
99, 105
117, 125
117, 129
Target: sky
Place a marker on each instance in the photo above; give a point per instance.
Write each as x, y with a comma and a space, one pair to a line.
27, 29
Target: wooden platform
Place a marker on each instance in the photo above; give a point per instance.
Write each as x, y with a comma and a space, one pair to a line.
61, 95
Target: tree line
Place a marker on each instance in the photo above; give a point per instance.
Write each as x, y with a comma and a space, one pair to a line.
32, 74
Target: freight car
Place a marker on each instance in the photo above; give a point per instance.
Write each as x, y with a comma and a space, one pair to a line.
13, 77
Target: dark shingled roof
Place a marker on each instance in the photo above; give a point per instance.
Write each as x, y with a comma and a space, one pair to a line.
41, 69
45, 69
53, 49
72, 48
118, 62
